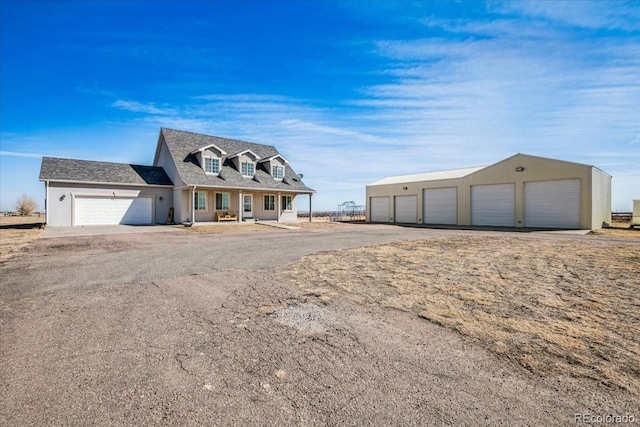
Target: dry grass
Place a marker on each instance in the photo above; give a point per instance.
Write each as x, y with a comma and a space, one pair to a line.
16, 232
619, 229
567, 307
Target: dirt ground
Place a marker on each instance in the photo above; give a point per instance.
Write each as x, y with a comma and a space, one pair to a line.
619, 229
339, 325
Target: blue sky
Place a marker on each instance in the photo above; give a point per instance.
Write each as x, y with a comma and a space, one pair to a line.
349, 92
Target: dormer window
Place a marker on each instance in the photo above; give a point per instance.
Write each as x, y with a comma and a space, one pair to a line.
248, 169
277, 172
211, 165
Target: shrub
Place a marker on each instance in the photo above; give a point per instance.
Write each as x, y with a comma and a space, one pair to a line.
25, 205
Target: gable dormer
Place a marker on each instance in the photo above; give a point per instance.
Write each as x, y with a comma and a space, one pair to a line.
245, 162
210, 158
275, 165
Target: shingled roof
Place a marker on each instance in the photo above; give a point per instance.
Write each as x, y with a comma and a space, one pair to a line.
71, 170
181, 144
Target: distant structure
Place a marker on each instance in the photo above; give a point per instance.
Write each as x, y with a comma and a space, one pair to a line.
349, 211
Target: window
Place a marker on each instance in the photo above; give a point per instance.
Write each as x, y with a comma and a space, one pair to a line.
277, 172
211, 165
287, 204
248, 169
269, 202
200, 201
222, 201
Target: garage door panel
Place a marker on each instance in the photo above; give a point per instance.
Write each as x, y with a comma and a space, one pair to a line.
379, 209
552, 204
493, 205
440, 206
406, 209
112, 211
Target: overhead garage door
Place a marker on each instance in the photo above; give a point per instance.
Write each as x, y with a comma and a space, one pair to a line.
113, 210
379, 209
440, 206
493, 205
406, 208
552, 204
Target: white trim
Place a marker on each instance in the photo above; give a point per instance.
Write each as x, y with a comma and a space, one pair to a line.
274, 157
206, 147
245, 152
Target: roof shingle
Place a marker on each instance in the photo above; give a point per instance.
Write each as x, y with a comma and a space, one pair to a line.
58, 169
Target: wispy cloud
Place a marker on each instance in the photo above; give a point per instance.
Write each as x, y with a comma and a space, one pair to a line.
138, 107
19, 154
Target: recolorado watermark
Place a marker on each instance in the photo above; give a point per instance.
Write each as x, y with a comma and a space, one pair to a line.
604, 418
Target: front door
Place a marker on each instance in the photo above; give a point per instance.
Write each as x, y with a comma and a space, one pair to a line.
247, 203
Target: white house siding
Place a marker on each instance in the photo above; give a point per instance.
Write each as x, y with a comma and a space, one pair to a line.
60, 204
166, 162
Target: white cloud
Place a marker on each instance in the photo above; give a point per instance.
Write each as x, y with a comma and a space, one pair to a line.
138, 107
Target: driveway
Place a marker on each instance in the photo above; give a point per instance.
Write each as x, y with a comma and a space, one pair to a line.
200, 329
100, 230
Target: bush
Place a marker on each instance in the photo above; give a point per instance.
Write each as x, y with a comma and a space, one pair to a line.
25, 205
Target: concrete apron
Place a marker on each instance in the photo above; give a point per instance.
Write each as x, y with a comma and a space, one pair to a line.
98, 230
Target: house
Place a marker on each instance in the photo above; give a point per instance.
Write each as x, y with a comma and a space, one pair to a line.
520, 191
199, 178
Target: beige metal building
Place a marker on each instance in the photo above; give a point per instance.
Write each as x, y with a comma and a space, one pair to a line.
520, 191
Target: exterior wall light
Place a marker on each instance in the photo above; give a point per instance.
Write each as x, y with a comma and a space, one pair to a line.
519, 169
62, 197
405, 188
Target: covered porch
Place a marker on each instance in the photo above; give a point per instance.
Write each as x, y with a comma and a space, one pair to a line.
196, 204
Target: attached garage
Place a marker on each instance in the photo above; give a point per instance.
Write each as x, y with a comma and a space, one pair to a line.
440, 206
112, 210
82, 192
520, 191
379, 208
493, 205
552, 204
406, 209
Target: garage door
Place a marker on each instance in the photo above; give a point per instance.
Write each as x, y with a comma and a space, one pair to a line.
379, 209
493, 205
113, 210
552, 204
440, 206
406, 209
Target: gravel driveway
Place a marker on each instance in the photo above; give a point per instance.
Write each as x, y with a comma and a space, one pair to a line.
190, 329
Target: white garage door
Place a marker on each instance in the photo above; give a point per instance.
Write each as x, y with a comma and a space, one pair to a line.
493, 205
552, 204
406, 209
379, 209
440, 206
113, 210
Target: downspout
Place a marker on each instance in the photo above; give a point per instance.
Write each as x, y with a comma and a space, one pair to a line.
310, 211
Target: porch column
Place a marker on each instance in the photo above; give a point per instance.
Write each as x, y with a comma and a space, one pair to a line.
240, 206
278, 205
310, 214
193, 205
